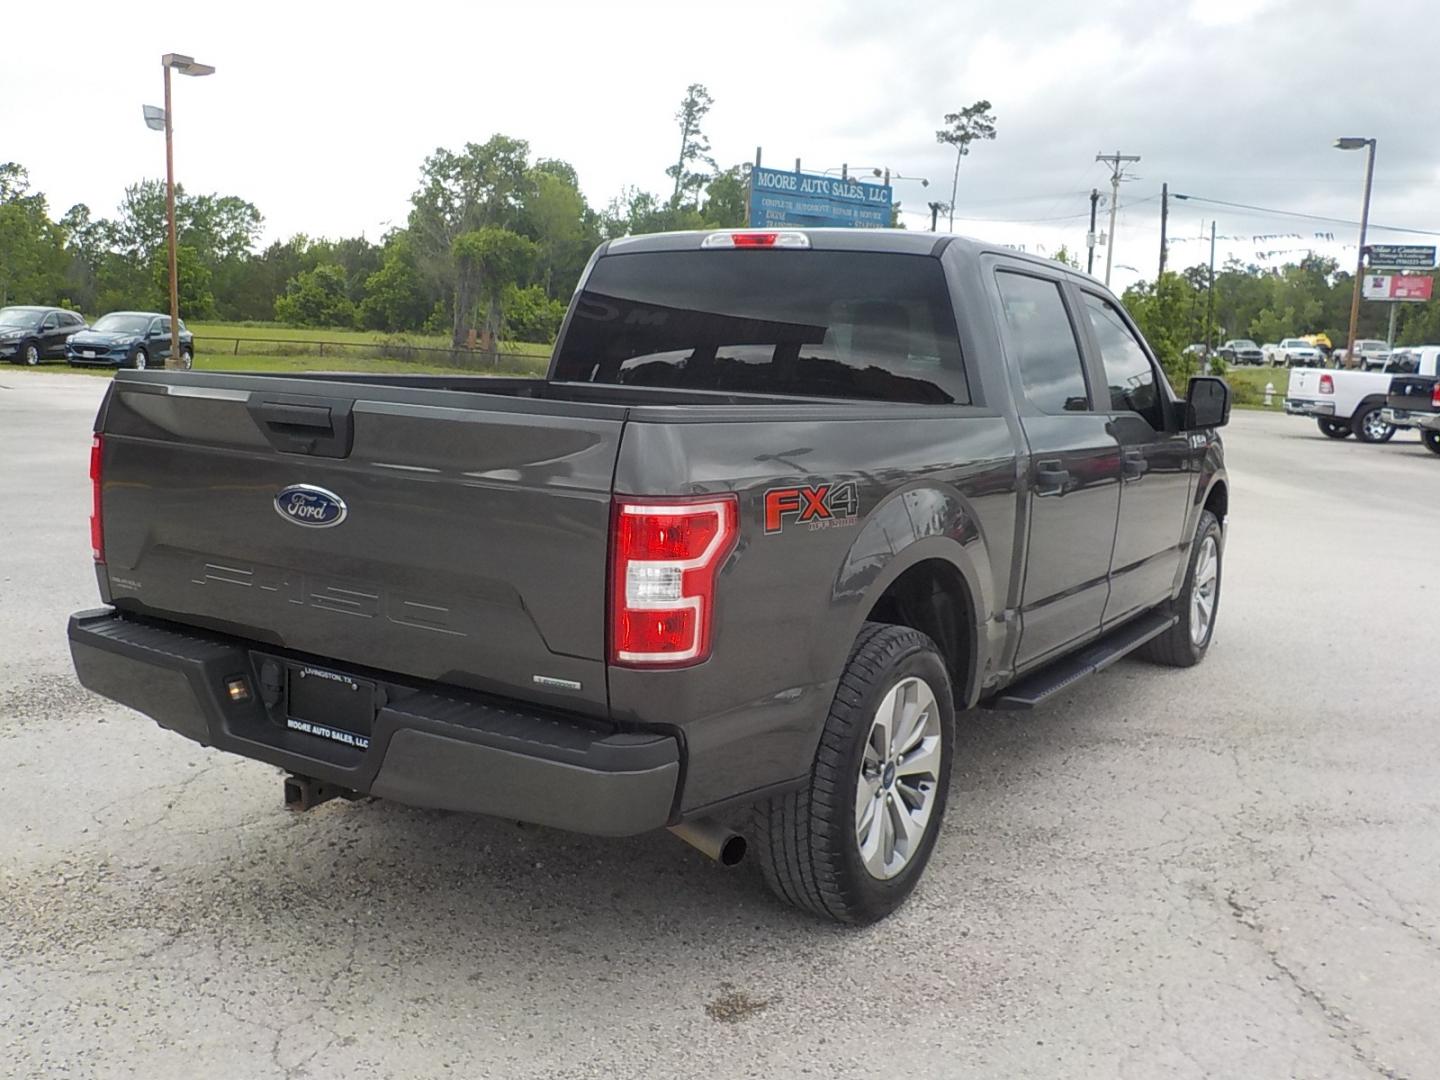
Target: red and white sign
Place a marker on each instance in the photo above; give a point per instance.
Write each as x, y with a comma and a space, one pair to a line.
1397, 287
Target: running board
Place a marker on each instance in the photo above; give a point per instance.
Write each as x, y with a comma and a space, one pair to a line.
1066, 672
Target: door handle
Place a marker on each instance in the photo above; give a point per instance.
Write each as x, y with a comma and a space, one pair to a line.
1134, 464
1051, 478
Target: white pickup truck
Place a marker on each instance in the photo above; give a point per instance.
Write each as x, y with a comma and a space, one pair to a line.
1349, 402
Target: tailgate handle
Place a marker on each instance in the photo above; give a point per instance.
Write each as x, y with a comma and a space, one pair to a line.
319, 427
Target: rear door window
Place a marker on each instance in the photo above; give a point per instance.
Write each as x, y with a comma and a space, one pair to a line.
1043, 339
835, 324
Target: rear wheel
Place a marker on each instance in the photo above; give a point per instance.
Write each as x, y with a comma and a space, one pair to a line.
851, 845
1431, 439
1369, 425
1335, 429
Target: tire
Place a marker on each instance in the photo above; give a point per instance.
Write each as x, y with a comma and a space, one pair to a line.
1370, 427
1335, 429
187, 359
140, 361
30, 354
1431, 441
809, 842
1186, 643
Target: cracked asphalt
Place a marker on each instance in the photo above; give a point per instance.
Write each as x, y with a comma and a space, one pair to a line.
1232, 871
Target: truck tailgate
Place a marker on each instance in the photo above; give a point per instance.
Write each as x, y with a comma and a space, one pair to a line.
471, 550
1413, 392
1304, 383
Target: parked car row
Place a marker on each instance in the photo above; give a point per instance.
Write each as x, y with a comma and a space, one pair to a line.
1371, 405
134, 339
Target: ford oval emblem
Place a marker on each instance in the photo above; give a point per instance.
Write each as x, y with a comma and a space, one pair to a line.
310, 506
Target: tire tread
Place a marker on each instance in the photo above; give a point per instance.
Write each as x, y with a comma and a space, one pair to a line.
795, 844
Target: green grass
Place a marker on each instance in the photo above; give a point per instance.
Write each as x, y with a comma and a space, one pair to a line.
1247, 385
221, 334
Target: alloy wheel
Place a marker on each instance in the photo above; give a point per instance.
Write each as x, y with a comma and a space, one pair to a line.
895, 793
1375, 426
1204, 591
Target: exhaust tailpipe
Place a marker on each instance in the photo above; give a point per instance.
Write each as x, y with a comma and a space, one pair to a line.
709, 837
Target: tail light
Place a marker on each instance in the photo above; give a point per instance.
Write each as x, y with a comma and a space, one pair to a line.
1435, 395
665, 555
1327, 384
97, 529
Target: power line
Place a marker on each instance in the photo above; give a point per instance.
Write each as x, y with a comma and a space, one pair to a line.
1307, 217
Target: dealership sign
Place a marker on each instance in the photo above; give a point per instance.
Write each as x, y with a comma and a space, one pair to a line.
808, 200
1397, 287
1401, 256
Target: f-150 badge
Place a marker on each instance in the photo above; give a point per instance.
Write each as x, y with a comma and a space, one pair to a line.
824, 506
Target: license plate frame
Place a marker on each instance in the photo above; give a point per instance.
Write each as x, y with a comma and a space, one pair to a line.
329, 705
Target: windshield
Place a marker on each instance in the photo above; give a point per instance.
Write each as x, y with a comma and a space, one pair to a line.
123, 324
1244, 344
20, 317
844, 324
1294, 343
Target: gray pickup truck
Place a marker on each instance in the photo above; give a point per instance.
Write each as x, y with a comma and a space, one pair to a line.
785, 504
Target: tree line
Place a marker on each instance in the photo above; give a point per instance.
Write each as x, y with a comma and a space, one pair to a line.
495, 240
493, 245
1265, 304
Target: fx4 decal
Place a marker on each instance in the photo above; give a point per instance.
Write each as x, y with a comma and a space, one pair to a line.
825, 506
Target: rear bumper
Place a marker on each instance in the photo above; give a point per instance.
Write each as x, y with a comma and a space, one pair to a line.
1407, 418
1304, 407
425, 749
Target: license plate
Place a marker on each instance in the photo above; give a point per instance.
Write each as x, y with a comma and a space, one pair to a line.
87, 352
330, 705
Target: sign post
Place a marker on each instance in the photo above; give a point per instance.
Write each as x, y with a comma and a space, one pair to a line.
1400, 256
1395, 289
780, 199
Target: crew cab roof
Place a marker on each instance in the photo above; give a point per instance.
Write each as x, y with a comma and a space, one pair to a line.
897, 241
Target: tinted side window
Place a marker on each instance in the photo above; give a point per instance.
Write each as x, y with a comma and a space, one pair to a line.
71, 319
51, 321
1131, 377
1049, 357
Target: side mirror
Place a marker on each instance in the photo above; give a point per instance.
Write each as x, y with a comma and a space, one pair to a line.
1207, 403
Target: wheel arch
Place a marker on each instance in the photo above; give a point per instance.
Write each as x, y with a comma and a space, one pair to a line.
922, 560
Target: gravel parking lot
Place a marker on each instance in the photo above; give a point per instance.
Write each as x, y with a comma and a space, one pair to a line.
1228, 871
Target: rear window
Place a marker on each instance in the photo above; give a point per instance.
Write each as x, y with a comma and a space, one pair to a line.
837, 324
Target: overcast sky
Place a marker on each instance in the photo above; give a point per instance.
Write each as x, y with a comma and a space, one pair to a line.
322, 114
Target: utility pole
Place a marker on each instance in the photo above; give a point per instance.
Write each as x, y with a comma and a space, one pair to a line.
1164, 221
1090, 239
1210, 296
1117, 162
1346, 144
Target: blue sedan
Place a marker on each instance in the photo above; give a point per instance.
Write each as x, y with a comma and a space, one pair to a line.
136, 339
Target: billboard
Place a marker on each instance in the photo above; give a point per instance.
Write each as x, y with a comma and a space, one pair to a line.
1396, 287
781, 199
1401, 256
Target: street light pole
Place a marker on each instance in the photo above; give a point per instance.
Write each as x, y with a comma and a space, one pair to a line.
1353, 143
170, 228
186, 65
